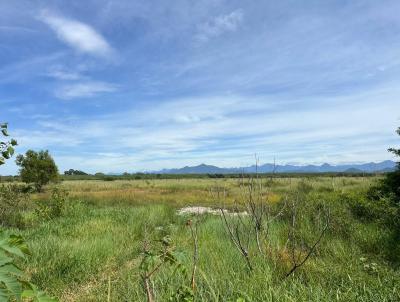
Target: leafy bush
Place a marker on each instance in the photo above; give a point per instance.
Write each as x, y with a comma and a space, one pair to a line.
53, 207
13, 199
384, 201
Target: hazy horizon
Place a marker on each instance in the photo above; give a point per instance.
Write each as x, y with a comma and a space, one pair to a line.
141, 86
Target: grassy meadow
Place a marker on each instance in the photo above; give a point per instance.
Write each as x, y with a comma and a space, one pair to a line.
94, 251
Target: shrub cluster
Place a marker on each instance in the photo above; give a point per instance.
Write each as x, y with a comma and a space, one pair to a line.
13, 200
53, 207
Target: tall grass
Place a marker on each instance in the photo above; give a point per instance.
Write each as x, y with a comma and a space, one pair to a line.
101, 238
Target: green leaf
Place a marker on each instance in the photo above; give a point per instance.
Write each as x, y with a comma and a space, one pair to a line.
5, 154
12, 285
10, 150
19, 242
3, 295
3, 125
4, 259
14, 245
4, 131
11, 269
13, 142
36, 295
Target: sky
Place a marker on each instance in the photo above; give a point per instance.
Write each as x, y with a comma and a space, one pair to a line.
128, 85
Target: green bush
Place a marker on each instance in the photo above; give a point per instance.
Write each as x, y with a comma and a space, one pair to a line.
53, 207
13, 200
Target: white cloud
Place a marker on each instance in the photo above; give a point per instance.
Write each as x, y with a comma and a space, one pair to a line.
76, 34
84, 89
219, 25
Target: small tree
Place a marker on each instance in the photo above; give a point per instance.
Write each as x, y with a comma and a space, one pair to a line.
38, 168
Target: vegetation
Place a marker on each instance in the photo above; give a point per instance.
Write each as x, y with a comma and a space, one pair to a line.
38, 168
6, 147
74, 172
97, 247
384, 207
13, 200
14, 286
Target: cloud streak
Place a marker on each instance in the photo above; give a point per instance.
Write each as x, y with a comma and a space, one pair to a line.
84, 90
77, 35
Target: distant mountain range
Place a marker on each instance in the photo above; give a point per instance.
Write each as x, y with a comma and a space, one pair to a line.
384, 166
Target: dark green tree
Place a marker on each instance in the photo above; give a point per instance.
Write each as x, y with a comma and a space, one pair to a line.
391, 183
38, 168
74, 172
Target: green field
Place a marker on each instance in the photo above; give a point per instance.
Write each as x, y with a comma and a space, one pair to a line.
94, 251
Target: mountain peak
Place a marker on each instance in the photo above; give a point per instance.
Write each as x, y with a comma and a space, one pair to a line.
384, 166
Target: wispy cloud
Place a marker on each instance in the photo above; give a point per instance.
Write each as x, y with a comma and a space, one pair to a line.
84, 89
219, 25
62, 74
78, 35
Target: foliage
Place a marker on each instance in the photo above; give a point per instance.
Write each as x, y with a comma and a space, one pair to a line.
394, 150
11, 196
75, 255
183, 294
385, 201
74, 172
12, 284
391, 184
6, 147
38, 168
153, 259
13, 199
53, 207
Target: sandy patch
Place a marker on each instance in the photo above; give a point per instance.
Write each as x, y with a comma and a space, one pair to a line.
207, 210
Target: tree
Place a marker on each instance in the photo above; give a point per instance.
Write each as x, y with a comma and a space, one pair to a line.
38, 168
74, 172
6, 147
391, 183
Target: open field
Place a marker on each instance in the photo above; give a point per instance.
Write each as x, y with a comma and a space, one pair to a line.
182, 192
95, 249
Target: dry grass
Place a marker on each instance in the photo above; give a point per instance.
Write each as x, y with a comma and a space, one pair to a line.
182, 192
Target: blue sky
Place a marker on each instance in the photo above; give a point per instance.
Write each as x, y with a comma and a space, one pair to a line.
131, 85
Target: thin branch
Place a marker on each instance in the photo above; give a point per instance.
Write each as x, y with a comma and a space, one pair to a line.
296, 266
195, 254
